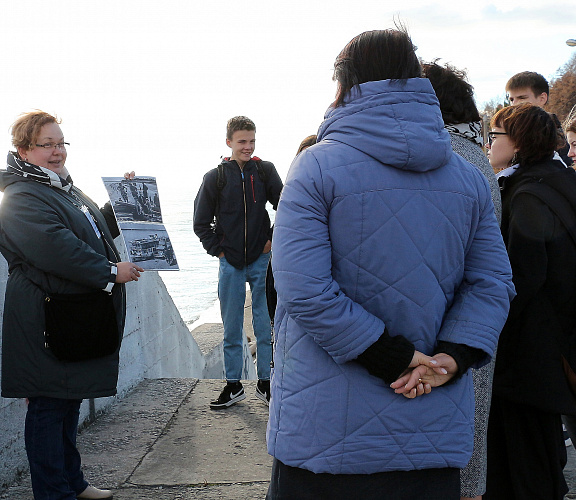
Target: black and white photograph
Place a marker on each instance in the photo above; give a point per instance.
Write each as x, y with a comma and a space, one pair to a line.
149, 246
135, 199
136, 205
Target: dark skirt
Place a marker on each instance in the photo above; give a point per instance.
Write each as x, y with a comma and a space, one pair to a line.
526, 453
293, 483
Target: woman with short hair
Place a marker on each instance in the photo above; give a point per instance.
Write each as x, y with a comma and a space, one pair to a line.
58, 244
570, 131
526, 450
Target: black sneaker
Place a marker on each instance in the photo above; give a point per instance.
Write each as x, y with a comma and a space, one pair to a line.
263, 391
230, 395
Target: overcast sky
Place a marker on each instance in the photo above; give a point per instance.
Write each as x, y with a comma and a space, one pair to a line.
149, 85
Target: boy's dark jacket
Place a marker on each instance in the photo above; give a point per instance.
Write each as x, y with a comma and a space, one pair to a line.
242, 225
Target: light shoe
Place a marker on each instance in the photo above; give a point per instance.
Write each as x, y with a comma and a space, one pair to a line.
94, 493
567, 440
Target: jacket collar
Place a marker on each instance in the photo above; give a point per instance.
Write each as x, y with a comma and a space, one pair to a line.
17, 166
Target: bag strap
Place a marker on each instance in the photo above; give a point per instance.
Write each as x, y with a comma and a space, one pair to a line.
558, 192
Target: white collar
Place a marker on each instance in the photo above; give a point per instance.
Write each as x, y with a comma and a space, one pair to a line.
507, 172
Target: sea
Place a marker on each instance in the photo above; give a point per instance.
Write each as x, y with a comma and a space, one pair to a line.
194, 288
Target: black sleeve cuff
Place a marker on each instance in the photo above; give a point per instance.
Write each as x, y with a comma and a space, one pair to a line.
464, 355
388, 357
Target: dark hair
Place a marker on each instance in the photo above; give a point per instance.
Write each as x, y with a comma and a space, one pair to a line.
531, 129
373, 56
238, 123
534, 81
455, 94
306, 143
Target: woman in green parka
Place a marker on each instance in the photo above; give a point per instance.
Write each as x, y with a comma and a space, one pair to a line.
56, 241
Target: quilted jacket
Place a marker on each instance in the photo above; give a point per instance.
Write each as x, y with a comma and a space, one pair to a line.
380, 224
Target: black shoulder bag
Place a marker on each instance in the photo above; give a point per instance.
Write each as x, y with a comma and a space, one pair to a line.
81, 326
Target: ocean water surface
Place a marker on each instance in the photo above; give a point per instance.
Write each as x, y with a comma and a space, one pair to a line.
194, 288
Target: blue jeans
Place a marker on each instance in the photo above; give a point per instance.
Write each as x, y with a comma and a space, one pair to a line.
232, 295
50, 437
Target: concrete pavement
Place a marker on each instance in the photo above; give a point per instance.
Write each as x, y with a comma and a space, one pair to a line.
163, 442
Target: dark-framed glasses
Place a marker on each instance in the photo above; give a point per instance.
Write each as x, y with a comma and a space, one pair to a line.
50, 145
493, 135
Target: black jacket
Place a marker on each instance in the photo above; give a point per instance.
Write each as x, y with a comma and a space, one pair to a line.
50, 245
242, 225
543, 314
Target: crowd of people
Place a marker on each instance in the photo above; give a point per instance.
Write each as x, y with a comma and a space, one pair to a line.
421, 285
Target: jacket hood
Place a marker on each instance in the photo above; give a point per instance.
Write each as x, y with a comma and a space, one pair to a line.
396, 122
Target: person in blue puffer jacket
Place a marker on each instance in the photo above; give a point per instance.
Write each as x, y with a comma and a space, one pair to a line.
392, 281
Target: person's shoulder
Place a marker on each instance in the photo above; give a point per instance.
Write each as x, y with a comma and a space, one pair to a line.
263, 163
463, 161
26, 196
27, 186
467, 178
211, 173
472, 153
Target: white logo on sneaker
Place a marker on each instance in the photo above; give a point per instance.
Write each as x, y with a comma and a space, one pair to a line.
232, 396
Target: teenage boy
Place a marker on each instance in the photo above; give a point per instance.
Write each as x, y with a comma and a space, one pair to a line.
532, 87
231, 220
528, 86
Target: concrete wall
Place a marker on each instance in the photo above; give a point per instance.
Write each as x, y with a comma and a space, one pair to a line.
157, 344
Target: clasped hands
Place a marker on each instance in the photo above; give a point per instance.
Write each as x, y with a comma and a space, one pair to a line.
424, 373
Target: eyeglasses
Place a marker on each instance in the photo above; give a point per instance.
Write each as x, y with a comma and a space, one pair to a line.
493, 135
49, 145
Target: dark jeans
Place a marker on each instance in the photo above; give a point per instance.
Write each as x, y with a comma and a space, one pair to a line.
50, 436
293, 483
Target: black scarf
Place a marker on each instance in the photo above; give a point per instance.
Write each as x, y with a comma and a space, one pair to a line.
16, 165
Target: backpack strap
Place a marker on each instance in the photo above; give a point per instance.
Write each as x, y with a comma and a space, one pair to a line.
558, 192
220, 183
220, 177
261, 171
